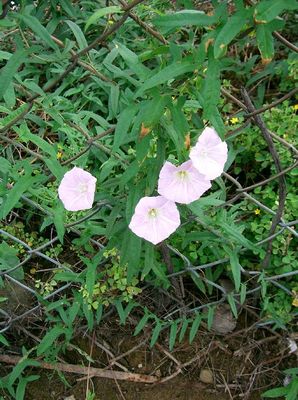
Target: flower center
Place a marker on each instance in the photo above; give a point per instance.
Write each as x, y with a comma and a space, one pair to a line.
83, 188
182, 174
152, 212
204, 153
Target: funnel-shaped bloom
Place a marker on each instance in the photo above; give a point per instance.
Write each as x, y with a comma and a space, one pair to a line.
183, 184
76, 190
209, 154
155, 219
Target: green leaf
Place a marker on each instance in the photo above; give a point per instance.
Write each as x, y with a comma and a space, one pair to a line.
232, 303
4, 55
48, 340
131, 253
89, 316
79, 35
194, 328
176, 138
68, 8
155, 333
142, 323
25, 135
184, 18
59, 214
153, 110
173, 334
124, 122
180, 122
4, 166
235, 266
101, 13
265, 43
170, 72
10, 69
242, 293
9, 96
132, 60
149, 258
198, 281
123, 313
14, 194
120, 311
113, 101
238, 237
3, 340
34, 24
210, 317
13, 114
267, 10
184, 327
229, 31
211, 94
276, 392
9, 259
19, 368
91, 271
55, 167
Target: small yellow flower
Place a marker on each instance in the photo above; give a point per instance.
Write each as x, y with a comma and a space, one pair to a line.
234, 120
295, 299
33, 271
59, 155
257, 211
295, 302
295, 107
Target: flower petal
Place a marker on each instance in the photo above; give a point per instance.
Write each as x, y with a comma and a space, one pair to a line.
183, 184
77, 189
155, 228
209, 154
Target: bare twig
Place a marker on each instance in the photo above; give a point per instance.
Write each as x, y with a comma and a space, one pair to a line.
81, 370
281, 179
272, 178
145, 26
273, 104
285, 41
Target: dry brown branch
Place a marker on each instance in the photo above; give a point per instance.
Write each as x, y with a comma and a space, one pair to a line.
285, 41
81, 370
272, 178
273, 104
282, 193
145, 26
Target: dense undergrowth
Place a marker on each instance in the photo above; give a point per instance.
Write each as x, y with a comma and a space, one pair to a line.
117, 92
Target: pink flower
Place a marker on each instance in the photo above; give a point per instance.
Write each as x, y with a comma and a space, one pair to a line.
155, 219
209, 154
76, 190
183, 184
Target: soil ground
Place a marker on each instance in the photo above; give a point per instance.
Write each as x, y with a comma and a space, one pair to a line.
242, 365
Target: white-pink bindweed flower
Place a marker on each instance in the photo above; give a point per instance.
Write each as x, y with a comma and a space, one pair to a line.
183, 184
155, 219
292, 346
210, 154
77, 189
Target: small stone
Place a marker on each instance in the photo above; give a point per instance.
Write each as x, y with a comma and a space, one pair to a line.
223, 320
206, 376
